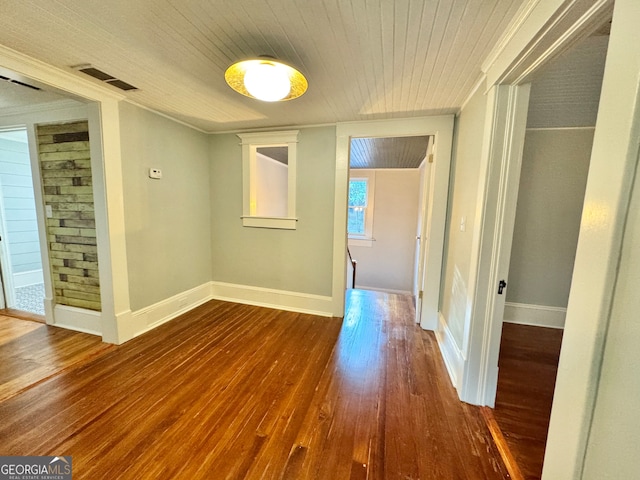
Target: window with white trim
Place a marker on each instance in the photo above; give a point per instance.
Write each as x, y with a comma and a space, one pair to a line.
269, 179
360, 206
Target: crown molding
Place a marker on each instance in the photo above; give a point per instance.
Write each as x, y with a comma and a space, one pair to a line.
514, 27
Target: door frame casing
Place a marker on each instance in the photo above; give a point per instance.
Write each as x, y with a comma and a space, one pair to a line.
441, 128
614, 159
497, 194
113, 321
540, 34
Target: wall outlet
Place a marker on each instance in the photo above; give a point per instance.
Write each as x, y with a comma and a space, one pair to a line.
155, 173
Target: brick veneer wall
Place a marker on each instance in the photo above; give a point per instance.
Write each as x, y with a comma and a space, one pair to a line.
65, 165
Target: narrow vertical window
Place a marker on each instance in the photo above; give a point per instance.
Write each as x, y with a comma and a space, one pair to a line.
357, 206
360, 208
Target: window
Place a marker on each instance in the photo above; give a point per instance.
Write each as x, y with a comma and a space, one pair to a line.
269, 179
357, 206
360, 207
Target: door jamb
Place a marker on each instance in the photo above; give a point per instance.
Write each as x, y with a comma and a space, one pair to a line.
441, 128
498, 194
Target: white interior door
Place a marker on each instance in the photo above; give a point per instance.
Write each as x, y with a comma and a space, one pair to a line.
425, 179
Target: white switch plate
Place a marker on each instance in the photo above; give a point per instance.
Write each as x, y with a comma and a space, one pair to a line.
155, 173
48, 211
463, 224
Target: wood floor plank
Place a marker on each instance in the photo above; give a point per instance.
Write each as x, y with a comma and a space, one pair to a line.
13, 328
233, 391
528, 366
23, 315
31, 352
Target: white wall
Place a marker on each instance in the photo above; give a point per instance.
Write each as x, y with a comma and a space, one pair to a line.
389, 263
168, 230
271, 187
612, 450
593, 434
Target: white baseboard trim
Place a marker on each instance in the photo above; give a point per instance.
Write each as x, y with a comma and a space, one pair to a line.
537, 315
451, 353
78, 319
24, 279
270, 298
384, 290
148, 318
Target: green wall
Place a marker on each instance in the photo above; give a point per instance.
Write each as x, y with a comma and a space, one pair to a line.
167, 221
555, 164
292, 260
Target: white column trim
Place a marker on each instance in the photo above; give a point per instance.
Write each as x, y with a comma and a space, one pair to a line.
497, 196
614, 161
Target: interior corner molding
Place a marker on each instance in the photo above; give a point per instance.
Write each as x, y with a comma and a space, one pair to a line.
271, 298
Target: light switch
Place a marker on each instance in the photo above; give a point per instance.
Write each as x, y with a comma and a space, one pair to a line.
463, 224
155, 173
48, 211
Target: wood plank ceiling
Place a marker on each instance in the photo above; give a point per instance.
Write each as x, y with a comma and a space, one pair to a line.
398, 152
364, 59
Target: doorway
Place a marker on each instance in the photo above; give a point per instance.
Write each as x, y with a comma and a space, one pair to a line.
20, 257
441, 129
386, 180
555, 163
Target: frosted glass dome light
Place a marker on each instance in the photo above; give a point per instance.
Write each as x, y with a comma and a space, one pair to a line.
266, 79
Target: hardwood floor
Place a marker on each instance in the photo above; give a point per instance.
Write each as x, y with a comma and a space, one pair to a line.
528, 366
230, 391
31, 352
13, 313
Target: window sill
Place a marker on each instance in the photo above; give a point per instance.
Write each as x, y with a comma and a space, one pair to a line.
360, 242
283, 223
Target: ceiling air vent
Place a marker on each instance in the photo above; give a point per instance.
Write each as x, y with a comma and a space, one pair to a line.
104, 77
18, 82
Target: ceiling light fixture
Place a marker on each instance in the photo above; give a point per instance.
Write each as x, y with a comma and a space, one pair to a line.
266, 79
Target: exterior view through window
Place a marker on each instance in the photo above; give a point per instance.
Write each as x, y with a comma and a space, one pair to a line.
357, 206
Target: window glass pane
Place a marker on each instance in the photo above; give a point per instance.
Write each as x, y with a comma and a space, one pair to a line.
355, 221
357, 193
